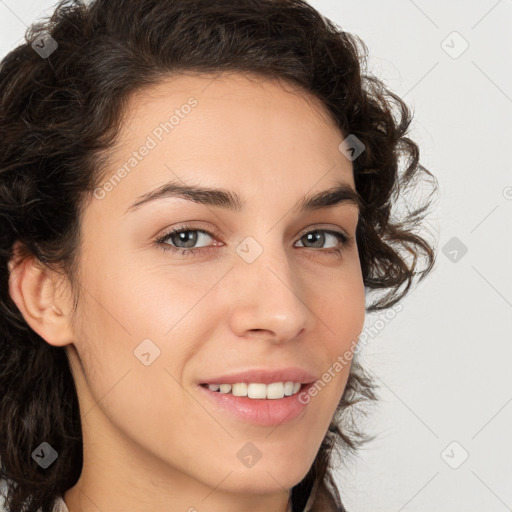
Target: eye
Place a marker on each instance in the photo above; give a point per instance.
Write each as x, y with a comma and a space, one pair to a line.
317, 236
184, 238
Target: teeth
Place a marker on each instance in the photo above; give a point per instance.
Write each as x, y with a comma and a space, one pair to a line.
240, 389
256, 390
225, 388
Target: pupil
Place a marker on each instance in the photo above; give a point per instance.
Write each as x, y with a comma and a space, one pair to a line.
186, 234
316, 235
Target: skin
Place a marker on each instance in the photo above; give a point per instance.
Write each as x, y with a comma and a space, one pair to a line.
150, 439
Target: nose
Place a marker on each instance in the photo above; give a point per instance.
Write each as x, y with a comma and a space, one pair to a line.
268, 299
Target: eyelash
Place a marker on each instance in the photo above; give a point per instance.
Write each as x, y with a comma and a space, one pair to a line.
161, 241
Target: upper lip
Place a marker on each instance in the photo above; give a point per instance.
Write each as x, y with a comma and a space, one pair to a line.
294, 374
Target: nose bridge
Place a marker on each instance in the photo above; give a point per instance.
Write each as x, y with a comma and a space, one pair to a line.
268, 297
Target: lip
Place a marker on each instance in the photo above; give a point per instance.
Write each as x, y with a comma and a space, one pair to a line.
264, 376
263, 412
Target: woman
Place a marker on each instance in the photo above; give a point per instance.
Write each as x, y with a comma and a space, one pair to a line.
195, 204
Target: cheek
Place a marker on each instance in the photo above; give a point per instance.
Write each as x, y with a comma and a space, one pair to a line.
137, 301
132, 369
341, 309
339, 303
149, 324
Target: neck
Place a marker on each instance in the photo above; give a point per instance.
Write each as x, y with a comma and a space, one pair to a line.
118, 476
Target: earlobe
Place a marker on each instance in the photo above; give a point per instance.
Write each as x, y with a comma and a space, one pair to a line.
33, 288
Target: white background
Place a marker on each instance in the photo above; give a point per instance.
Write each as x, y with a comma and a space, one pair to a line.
443, 363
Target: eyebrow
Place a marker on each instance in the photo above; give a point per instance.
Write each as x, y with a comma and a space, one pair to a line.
342, 193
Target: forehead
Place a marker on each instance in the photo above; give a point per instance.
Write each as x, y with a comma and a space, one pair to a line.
230, 130
230, 87
228, 108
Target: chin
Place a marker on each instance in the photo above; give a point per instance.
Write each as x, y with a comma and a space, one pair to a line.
267, 478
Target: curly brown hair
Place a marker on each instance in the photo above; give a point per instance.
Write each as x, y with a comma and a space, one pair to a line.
59, 115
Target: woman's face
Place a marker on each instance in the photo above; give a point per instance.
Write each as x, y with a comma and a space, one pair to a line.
265, 289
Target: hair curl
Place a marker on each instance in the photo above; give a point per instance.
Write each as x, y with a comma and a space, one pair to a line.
60, 115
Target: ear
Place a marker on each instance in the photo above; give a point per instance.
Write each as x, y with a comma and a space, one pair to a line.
37, 291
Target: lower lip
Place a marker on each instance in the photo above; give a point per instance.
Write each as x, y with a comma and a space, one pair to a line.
266, 412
